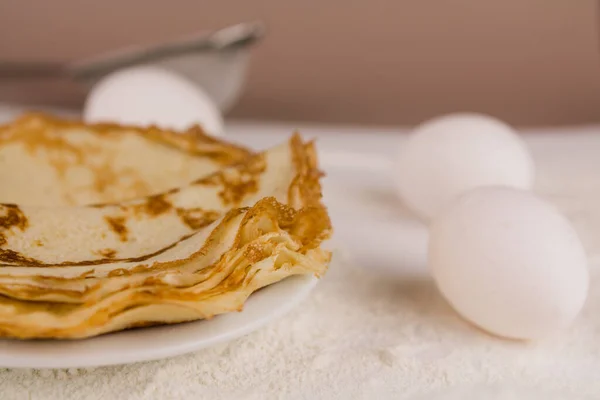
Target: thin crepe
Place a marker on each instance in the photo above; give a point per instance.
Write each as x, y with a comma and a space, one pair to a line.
71, 163
71, 271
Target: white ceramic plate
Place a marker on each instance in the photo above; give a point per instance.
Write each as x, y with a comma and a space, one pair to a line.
158, 342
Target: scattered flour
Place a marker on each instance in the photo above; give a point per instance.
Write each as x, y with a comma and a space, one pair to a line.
364, 336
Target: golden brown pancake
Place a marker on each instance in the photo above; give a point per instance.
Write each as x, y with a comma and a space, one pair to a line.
180, 227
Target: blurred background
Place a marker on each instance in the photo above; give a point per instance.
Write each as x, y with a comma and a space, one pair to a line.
529, 62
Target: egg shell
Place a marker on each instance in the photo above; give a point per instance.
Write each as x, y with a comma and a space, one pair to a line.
452, 154
149, 95
509, 262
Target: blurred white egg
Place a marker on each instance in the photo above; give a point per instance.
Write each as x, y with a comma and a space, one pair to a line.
151, 96
449, 155
509, 262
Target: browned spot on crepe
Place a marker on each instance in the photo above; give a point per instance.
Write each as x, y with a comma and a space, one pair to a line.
12, 217
238, 182
118, 226
156, 205
11, 256
196, 218
108, 253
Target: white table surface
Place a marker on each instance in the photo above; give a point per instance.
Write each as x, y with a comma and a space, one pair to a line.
377, 234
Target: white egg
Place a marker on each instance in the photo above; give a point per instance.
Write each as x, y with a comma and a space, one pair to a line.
452, 154
509, 262
148, 95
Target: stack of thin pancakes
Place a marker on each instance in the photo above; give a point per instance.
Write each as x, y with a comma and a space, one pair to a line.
105, 227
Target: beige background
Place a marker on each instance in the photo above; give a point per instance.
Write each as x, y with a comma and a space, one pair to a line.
376, 61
